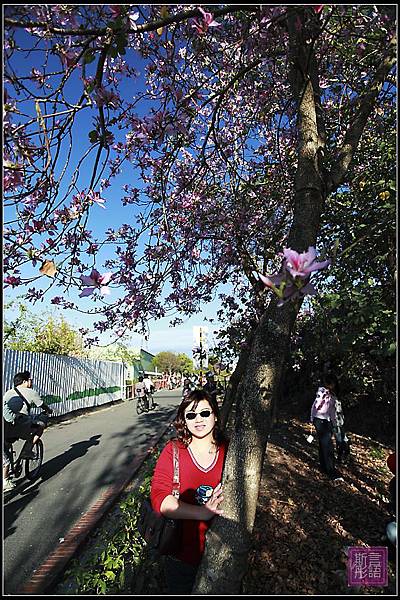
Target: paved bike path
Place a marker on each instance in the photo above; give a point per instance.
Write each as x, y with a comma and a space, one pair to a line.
84, 458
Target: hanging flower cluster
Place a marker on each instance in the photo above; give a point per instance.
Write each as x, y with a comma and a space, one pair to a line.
95, 281
293, 281
202, 25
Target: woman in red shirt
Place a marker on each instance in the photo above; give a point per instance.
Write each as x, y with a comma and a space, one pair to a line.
202, 448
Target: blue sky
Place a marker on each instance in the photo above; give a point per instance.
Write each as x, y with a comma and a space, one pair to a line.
161, 336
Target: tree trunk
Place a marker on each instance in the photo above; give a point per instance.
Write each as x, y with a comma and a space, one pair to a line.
229, 538
234, 381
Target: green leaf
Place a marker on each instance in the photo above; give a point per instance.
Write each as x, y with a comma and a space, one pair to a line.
113, 52
122, 42
93, 136
89, 56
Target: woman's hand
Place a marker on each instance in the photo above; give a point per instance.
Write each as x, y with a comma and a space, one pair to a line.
211, 506
172, 508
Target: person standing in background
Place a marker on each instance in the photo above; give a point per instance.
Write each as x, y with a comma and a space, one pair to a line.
323, 416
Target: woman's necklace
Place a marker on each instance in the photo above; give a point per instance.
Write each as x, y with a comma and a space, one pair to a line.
212, 450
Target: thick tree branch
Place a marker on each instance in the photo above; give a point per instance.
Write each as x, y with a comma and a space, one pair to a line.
145, 27
364, 107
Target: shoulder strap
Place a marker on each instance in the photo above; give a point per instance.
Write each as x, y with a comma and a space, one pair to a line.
175, 482
24, 399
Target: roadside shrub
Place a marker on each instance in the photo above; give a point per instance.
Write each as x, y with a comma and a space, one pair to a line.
117, 557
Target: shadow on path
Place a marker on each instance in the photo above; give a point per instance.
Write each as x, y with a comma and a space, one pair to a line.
29, 489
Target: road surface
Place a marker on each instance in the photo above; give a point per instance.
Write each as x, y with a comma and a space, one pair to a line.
83, 456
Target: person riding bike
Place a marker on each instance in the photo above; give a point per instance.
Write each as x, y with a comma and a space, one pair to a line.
18, 423
149, 391
141, 391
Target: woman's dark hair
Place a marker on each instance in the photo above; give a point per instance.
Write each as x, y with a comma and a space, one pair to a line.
21, 377
331, 379
195, 397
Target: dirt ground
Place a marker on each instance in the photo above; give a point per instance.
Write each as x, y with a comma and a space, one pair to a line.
305, 523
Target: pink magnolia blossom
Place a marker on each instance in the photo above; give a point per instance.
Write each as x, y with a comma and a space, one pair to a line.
318, 8
115, 10
95, 197
301, 265
12, 281
95, 281
12, 179
106, 97
68, 58
292, 282
12, 174
273, 280
208, 21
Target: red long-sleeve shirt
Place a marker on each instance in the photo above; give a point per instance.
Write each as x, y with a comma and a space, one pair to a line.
196, 487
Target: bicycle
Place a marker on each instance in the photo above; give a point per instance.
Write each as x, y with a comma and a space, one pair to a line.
145, 403
142, 404
150, 400
33, 466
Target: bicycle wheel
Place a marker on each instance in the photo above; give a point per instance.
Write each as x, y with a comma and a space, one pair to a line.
140, 406
34, 465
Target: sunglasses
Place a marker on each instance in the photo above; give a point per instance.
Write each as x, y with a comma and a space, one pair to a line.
203, 413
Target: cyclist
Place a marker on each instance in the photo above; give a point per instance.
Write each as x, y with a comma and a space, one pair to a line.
149, 391
18, 423
141, 391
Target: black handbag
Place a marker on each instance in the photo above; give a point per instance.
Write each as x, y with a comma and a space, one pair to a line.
160, 533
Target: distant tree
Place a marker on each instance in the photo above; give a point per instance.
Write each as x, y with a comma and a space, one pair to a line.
49, 334
186, 363
167, 361
18, 328
117, 352
58, 337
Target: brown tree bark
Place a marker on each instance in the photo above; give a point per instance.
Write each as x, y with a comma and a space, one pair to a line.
229, 539
234, 381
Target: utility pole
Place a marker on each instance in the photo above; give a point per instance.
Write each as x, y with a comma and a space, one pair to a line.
201, 356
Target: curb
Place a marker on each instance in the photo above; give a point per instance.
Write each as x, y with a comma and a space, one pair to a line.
46, 574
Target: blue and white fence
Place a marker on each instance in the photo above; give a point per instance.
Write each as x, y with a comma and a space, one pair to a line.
67, 383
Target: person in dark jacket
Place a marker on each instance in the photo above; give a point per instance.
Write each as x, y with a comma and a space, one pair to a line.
210, 386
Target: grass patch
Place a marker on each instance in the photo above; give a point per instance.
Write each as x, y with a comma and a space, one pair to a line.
378, 453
